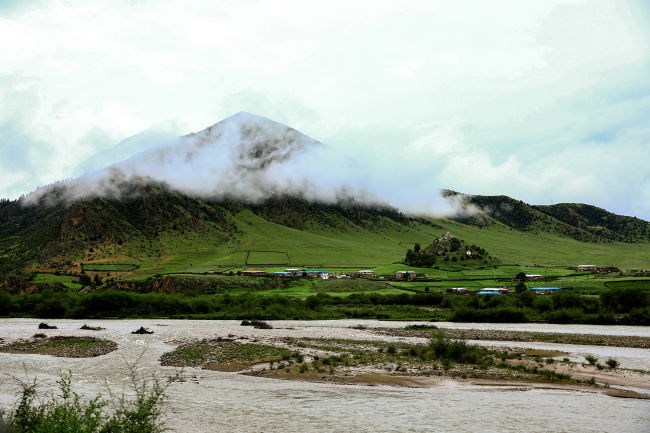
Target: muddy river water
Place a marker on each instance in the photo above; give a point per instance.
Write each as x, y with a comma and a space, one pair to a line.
209, 401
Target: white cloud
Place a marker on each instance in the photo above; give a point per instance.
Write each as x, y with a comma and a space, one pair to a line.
407, 69
510, 93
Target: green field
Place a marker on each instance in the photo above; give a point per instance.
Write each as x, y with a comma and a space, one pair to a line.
268, 258
66, 280
359, 248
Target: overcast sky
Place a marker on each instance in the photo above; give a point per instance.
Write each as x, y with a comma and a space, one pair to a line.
545, 101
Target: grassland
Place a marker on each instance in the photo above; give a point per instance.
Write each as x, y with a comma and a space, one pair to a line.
271, 247
70, 282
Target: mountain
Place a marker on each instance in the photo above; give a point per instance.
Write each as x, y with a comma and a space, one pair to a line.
245, 156
234, 196
581, 222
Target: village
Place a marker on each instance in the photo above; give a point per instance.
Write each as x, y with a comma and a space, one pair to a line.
516, 284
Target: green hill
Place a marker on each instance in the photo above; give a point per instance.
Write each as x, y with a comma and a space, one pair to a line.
599, 222
157, 230
581, 222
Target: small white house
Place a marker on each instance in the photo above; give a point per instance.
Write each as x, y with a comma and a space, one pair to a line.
458, 290
495, 289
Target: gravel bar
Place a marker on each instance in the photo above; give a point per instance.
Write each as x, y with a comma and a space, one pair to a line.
60, 346
523, 336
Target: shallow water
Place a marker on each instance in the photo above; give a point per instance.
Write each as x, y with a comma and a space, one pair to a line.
216, 401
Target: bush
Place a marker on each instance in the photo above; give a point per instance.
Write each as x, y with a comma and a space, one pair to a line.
493, 315
68, 413
565, 315
592, 360
612, 363
456, 350
4, 426
543, 303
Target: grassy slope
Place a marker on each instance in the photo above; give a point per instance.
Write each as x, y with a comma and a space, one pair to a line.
165, 232
528, 248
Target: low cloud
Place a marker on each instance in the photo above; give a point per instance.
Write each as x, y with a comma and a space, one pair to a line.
252, 158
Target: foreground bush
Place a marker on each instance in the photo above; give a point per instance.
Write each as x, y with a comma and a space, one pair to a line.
68, 413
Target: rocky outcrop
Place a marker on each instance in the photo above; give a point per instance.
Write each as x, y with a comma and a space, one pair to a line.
17, 285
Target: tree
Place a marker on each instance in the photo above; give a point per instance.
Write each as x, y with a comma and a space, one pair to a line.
416, 248
520, 287
520, 276
85, 280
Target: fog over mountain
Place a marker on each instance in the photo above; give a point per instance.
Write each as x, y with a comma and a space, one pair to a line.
250, 158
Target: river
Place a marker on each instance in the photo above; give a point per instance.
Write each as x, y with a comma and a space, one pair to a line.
215, 401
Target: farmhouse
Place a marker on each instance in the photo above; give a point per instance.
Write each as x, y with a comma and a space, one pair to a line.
590, 268
315, 274
253, 273
366, 273
544, 290
405, 275
458, 290
500, 290
293, 271
534, 277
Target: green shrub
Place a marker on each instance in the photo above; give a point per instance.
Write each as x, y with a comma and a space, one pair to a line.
592, 360
454, 349
612, 363
67, 412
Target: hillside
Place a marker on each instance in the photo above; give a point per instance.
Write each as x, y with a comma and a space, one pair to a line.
158, 227
157, 230
232, 206
584, 223
599, 222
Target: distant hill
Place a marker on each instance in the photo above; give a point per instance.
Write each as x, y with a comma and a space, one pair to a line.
599, 222
581, 222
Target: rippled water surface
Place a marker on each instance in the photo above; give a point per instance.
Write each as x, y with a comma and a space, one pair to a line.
216, 401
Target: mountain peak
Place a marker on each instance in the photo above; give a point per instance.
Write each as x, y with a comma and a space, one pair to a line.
245, 156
